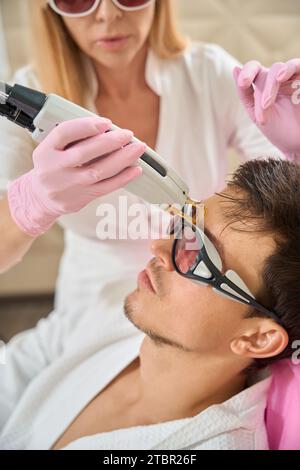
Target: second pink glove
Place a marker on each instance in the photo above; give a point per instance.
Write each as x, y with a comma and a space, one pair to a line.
272, 99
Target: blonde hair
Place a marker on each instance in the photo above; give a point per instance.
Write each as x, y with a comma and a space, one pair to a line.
57, 59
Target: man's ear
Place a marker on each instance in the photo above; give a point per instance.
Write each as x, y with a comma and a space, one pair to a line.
264, 338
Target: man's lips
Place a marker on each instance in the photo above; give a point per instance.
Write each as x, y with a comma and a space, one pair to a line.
149, 274
146, 281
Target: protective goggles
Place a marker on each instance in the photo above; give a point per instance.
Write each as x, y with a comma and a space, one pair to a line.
195, 257
77, 8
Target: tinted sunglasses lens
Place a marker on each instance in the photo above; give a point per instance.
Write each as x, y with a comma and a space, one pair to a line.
187, 250
74, 6
133, 3
188, 247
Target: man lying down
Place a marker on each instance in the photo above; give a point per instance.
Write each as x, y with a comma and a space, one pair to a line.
174, 371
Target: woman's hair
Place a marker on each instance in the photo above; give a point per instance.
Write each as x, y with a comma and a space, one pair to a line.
57, 59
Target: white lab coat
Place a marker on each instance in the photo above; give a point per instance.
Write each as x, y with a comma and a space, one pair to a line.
200, 116
53, 371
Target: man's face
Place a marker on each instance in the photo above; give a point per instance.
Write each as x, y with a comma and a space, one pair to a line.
193, 317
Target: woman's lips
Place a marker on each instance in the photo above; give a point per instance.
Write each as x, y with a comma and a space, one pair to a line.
144, 280
112, 43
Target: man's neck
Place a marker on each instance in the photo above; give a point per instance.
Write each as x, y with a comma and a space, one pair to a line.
121, 83
175, 385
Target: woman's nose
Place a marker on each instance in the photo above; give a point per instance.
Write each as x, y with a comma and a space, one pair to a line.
107, 11
162, 250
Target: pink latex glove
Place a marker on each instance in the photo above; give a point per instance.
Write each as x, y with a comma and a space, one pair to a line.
65, 178
283, 407
272, 99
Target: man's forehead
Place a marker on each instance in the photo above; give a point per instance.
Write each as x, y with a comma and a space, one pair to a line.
223, 209
216, 206
240, 238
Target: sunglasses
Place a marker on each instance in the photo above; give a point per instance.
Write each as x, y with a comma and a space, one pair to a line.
195, 257
78, 8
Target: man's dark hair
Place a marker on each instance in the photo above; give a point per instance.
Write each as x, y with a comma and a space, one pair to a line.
268, 199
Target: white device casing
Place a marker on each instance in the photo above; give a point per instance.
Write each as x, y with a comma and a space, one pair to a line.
152, 186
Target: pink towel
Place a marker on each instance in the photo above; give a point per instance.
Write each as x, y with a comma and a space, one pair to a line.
283, 407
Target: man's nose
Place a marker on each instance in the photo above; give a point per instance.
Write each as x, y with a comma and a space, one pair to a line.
107, 11
162, 250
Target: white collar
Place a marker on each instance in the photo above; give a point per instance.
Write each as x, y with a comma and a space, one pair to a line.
243, 410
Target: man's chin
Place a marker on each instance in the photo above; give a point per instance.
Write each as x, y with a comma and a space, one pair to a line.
134, 300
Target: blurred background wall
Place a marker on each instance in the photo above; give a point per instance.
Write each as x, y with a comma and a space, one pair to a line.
267, 30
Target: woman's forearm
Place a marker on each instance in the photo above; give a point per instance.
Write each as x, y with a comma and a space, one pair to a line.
14, 243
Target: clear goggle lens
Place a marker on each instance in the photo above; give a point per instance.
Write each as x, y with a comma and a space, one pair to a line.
189, 243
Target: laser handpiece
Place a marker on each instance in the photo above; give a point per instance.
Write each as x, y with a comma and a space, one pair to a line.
40, 113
